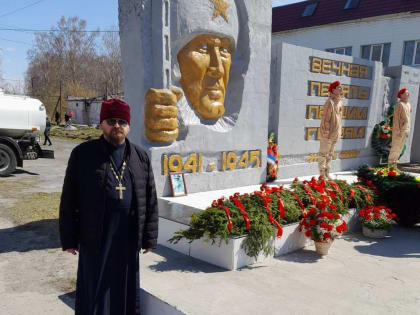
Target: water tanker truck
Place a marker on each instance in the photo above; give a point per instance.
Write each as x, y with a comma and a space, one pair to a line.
22, 121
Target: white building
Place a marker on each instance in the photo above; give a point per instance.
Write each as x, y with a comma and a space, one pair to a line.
379, 30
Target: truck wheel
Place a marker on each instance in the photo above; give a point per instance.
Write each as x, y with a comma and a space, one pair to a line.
7, 160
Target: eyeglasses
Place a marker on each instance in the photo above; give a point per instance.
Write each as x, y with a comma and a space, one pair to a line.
112, 122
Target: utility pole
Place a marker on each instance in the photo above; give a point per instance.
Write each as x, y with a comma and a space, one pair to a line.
55, 108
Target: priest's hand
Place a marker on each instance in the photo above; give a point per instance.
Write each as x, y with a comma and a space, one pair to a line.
161, 114
72, 251
146, 250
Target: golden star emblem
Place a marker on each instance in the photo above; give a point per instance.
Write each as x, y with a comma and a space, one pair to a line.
220, 8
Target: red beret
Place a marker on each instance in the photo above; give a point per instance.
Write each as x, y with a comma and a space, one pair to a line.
333, 86
115, 108
401, 92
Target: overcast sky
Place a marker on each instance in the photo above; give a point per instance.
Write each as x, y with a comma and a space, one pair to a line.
43, 14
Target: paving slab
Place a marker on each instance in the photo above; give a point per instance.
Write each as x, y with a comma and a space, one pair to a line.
358, 276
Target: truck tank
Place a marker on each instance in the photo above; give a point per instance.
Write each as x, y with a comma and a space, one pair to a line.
21, 115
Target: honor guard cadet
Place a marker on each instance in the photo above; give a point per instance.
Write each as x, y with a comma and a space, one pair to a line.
330, 128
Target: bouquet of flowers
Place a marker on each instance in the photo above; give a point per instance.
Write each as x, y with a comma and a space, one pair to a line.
385, 131
322, 223
387, 171
272, 158
376, 217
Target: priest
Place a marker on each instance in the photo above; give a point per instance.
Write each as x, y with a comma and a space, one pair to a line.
108, 213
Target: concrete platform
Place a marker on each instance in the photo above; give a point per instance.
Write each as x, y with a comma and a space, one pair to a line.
358, 276
202, 200
175, 214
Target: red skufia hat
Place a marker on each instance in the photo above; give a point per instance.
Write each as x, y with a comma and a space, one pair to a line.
115, 108
333, 86
401, 92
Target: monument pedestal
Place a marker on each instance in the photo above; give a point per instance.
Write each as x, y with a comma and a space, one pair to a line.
176, 216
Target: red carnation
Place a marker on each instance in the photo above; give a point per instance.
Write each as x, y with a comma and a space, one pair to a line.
327, 235
342, 227
392, 173
308, 233
312, 222
329, 215
377, 215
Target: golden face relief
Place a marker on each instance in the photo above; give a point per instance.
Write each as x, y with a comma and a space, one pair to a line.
205, 64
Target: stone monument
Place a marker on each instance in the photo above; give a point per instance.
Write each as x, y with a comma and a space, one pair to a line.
299, 86
196, 74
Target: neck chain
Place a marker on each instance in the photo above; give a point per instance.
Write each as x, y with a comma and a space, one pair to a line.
119, 178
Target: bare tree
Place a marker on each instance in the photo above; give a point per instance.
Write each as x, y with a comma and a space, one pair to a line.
111, 62
74, 57
66, 54
13, 87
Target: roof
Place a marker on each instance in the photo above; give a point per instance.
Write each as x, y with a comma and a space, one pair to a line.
289, 17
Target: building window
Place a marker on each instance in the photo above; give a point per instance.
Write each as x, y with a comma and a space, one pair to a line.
376, 52
341, 51
351, 4
411, 53
310, 9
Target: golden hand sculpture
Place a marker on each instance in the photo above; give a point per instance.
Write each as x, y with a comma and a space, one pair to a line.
204, 64
160, 115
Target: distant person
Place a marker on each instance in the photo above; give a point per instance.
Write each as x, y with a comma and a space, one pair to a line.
70, 117
400, 127
57, 118
330, 129
47, 132
108, 213
66, 119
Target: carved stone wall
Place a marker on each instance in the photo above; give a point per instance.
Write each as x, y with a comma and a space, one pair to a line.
215, 153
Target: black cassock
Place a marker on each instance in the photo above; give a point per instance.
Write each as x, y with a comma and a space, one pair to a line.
108, 279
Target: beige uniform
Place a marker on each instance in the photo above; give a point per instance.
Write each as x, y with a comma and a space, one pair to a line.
330, 131
400, 130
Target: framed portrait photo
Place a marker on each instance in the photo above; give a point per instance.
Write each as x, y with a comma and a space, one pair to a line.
178, 184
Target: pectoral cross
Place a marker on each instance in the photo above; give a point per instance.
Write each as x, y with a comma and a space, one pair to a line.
120, 188
119, 178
